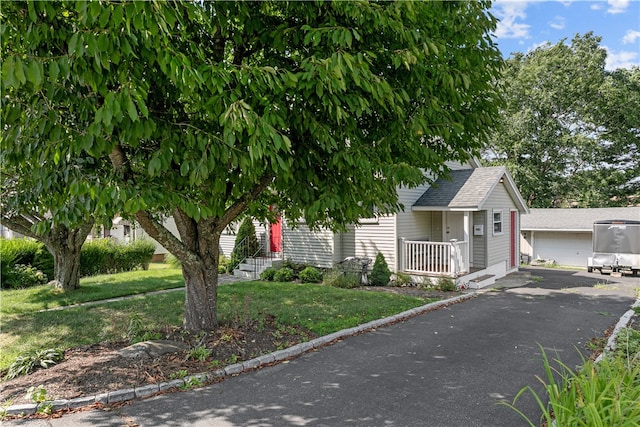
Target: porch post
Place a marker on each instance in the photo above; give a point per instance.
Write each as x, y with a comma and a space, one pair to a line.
467, 238
400, 260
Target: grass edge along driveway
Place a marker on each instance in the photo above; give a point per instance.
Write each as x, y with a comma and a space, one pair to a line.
319, 308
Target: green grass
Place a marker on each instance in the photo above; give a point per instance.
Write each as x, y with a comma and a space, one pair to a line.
321, 309
158, 277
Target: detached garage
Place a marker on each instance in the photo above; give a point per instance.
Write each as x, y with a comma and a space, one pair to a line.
564, 235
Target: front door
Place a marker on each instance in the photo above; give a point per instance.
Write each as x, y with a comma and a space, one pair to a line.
275, 236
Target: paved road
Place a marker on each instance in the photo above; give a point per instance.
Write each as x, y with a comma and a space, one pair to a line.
449, 367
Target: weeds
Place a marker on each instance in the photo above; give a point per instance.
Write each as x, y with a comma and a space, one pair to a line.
200, 353
182, 373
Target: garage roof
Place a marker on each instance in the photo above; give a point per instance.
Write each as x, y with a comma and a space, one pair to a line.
576, 219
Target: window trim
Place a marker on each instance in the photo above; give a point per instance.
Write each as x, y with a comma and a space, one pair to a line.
494, 222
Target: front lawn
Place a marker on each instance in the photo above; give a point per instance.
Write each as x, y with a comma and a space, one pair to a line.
321, 309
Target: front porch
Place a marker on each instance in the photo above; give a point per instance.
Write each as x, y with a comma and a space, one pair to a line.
435, 258
446, 259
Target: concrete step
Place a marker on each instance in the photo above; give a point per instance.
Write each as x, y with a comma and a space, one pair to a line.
482, 281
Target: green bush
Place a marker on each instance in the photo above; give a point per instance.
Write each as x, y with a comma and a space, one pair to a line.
380, 274
268, 274
341, 279
43, 261
246, 244
23, 276
310, 275
295, 266
16, 251
403, 279
223, 264
105, 256
446, 284
285, 274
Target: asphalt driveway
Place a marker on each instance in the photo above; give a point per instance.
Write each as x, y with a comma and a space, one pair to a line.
449, 367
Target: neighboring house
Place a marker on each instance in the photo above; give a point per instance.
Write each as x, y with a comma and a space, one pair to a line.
467, 228
564, 235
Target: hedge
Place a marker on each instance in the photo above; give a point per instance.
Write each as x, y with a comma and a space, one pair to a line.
103, 256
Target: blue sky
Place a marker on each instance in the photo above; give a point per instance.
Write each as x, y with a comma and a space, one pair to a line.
525, 25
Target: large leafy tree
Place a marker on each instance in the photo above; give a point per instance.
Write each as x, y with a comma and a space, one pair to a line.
208, 110
569, 132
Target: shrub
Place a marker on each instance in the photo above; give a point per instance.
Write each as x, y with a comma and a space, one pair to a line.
105, 256
23, 276
296, 267
246, 244
268, 274
403, 279
223, 264
446, 284
310, 275
16, 251
380, 274
341, 279
285, 274
43, 261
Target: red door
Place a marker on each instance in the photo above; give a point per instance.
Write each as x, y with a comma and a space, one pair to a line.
512, 237
275, 236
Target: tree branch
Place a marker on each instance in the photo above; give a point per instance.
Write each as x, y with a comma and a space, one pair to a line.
241, 204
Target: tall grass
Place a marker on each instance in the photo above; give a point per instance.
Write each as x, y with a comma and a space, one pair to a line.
600, 394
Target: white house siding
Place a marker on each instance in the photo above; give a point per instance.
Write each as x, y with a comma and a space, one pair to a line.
479, 241
302, 245
498, 245
372, 238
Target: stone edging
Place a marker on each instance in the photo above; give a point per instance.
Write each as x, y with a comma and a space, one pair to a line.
622, 323
235, 369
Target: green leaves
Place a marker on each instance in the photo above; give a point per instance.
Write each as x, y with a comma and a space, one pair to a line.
561, 124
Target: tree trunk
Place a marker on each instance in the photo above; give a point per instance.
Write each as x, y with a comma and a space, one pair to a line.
65, 245
201, 286
66, 267
200, 303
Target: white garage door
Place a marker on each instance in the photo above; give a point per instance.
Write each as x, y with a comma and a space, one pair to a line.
564, 248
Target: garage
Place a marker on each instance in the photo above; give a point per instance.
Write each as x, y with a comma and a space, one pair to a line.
564, 235
565, 248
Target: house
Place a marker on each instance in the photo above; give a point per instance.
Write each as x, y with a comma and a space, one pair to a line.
466, 228
564, 235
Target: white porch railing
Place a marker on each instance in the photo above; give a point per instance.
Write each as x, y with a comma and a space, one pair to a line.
438, 258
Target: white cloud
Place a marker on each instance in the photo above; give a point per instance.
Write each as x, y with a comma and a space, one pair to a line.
558, 23
511, 16
565, 3
617, 6
631, 36
596, 6
622, 59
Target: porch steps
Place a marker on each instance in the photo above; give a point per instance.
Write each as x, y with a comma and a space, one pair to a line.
482, 281
252, 267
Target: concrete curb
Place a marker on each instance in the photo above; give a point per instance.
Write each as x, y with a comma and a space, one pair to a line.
141, 392
622, 323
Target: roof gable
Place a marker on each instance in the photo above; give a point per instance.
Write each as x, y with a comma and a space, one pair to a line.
468, 189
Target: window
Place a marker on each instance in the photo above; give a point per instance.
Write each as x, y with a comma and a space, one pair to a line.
497, 222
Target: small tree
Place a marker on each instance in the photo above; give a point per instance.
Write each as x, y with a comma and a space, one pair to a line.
246, 244
380, 275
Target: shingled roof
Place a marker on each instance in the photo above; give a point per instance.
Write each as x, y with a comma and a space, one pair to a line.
467, 189
575, 219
